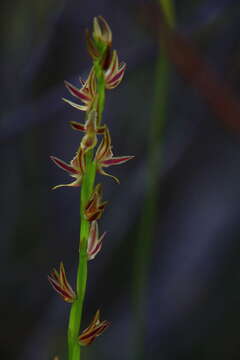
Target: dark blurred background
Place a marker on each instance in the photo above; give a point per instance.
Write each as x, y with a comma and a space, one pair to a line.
192, 291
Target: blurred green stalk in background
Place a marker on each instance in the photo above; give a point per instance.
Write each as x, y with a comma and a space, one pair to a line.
148, 216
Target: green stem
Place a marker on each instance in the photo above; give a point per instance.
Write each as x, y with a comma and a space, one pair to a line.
100, 89
148, 219
87, 187
77, 306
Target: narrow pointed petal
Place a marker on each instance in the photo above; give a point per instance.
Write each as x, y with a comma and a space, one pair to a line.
67, 295
96, 248
96, 28
104, 149
58, 288
117, 78
94, 242
63, 280
101, 171
95, 329
78, 162
92, 50
77, 126
93, 235
76, 106
76, 92
75, 183
94, 208
113, 85
116, 160
55, 274
64, 166
88, 338
60, 284
113, 67
92, 83
96, 318
93, 253
106, 30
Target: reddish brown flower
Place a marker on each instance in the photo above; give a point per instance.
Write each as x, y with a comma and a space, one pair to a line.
87, 93
95, 206
94, 241
75, 169
95, 329
115, 72
59, 283
104, 156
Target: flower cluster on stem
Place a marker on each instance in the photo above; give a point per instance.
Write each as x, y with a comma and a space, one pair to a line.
91, 157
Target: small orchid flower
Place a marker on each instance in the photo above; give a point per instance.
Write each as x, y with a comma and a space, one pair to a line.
59, 283
75, 169
95, 206
104, 156
115, 72
95, 329
94, 241
101, 38
87, 93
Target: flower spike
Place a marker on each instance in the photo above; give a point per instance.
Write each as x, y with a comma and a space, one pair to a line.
94, 241
104, 156
95, 206
75, 169
115, 72
60, 284
87, 94
95, 329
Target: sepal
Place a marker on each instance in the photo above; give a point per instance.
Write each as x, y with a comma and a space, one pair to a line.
115, 72
76, 168
87, 93
95, 329
95, 206
60, 284
94, 241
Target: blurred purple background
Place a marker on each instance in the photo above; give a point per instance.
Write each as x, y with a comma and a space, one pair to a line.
193, 292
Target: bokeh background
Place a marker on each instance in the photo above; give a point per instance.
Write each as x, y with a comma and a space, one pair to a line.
168, 278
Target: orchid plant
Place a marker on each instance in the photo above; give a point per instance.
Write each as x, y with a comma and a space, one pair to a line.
106, 73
